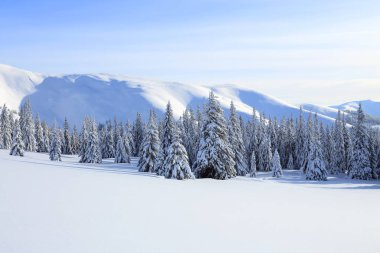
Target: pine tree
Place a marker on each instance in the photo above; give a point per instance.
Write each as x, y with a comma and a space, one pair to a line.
17, 148
27, 126
67, 142
316, 169
215, 158
5, 128
328, 150
121, 155
361, 166
176, 164
55, 145
252, 172
90, 149
236, 141
128, 139
348, 148
39, 135
190, 135
150, 146
137, 132
84, 137
166, 141
276, 165
301, 143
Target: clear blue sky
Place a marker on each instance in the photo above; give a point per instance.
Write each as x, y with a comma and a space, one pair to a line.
295, 50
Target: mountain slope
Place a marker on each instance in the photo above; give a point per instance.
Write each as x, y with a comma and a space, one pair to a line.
106, 96
369, 106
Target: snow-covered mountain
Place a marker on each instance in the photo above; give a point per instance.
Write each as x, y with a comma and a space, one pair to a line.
369, 106
105, 96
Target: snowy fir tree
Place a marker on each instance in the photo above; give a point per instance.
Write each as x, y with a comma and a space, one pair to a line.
5, 128
137, 133
189, 134
150, 146
176, 163
290, 165
27, 126
39, 135
276, 165
236, 141
316, 169
168, 128
121, 155
361, 166
55, 145
215, 158
348, 147
128, 139
67, 142
17, 148
301, 146
252, 171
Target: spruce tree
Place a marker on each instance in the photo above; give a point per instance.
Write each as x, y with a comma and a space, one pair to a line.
166, 141
107, 141
276, 165
290, 165
316, 169
176, 163
27, 126
5, 128
90, 147
121, 155
338, 150
17, 148
236, 141
46, 137
39, 135
150, 146
252, 172
215, 158
137, 132
265, 153
67, 142
55, 145
300, 143
75, 141
361, 166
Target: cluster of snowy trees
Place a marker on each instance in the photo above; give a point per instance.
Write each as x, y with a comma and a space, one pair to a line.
206, 144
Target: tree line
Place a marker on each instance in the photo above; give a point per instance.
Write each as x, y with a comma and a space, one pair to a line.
206, 144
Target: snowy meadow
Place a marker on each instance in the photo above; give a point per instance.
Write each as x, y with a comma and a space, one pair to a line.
294, 185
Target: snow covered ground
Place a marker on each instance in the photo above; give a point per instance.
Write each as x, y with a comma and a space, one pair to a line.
69, 207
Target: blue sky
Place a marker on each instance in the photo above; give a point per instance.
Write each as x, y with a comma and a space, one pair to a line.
322, 52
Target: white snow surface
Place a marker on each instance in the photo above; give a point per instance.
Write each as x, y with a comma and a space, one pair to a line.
70, 207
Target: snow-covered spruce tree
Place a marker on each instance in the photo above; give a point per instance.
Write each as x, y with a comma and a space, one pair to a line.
276, 165
236, 142
46, 137
107, 141
67, 142
55, 145
75, 141
17, 148
27, 126
316, 169
61, 136
137, 132
166, 141
373, 154
215, 158
121, 155
128, 139
290, 165
301, 143
84, 139
176, 163
348, 147
252, 171
39, 134
265, 153
93, 153
361, 166
338, 150
5, 128
328, 150
190, 134
252, 145
150, 146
